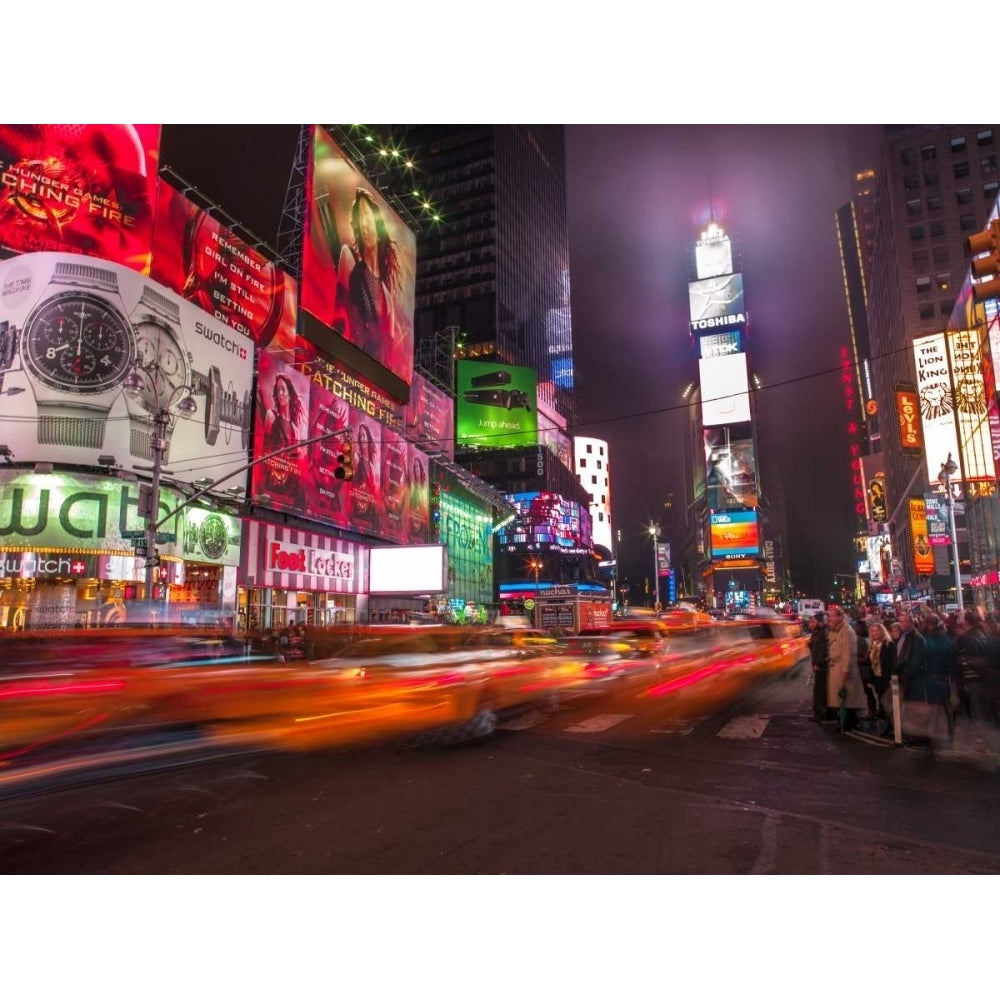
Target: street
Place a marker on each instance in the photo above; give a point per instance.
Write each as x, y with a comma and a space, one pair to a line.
714, 779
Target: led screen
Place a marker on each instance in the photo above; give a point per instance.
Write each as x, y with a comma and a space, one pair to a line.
497, 405
966, 356
407, 569
358, 260
717, 345
911, 435
430, 417
923, 554
86, 189
725, 397
735, 535
547, 522
716, 302
713, 257
730, 467
937, 405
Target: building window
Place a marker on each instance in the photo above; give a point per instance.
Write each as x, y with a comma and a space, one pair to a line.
984, 138
600, 464
946, 306
941, 256
906, 157
600, 450
911, 182
928, 153
927, 310
961, 169
590, 449
932, 177
593, 480
943, 281
604, 498
916, 233
583, 463
920, 260
924, 284
990, 190
913, 208
605, 480
964, 195
967, 223
935, 203
958, 144
989, 163
937, 228
600, 515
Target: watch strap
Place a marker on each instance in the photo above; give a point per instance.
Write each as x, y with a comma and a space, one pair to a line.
72, 273
80, 432
167, 308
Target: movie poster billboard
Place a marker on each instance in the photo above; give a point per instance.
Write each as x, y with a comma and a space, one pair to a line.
321, 402
735, 534
497, 405
74, 329
84, 189
358, 260
923, 554
211, 267
430, 417
966, 359
937, 406
730, 467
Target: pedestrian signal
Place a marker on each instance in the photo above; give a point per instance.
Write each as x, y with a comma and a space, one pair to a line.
345, 462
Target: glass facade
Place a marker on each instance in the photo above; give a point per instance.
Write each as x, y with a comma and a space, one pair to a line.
464, 525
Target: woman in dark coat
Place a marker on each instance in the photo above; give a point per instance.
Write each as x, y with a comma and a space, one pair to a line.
882, 659
940, 668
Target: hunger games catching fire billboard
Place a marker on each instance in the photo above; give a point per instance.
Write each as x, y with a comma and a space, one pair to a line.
86, 189
358, 260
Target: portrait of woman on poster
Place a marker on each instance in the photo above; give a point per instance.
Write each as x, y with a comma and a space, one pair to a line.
283, 421
367, 276
365, 460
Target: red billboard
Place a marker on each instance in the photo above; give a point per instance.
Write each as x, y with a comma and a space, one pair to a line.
86, 189
388, 495
430, 417
202, 260
358, 260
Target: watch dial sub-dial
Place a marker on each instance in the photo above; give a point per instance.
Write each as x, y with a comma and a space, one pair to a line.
78, 342
160, 361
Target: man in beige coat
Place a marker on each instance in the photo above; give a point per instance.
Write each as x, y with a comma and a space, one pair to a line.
844, 672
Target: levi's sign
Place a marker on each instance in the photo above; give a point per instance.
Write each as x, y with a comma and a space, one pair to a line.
309, 561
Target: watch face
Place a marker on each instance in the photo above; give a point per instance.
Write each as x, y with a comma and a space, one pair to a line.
78, 342
160, 362
214, 537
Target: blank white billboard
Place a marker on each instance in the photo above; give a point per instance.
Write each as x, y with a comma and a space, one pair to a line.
407, 569
725, 396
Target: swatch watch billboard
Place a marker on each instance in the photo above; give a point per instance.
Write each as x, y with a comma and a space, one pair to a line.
497, 405
85, 189
73, 330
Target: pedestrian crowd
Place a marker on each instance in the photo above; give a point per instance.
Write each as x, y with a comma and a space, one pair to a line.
947, 667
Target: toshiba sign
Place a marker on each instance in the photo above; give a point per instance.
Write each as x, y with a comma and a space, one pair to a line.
283, 557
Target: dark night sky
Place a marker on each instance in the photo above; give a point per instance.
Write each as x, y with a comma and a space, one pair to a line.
637, 200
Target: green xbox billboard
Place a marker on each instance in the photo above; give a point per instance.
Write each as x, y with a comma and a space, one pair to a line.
496, 405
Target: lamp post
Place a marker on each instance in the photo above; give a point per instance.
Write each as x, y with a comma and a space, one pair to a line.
948, 469
654, 532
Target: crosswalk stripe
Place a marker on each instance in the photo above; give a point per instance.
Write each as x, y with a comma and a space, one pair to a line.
526, 721
597, 723
744, 727
682, 727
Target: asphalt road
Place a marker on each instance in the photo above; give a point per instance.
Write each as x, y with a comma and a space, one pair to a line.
721, 778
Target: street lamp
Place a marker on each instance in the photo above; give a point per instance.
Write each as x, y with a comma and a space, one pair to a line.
654, 531
948, 469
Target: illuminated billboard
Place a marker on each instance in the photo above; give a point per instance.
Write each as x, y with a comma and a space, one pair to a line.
713, 256
465, 527
877, 549
911, 435
407, 569
716, 302
497, 405
85, 189
725, 396
211, 267
718, 345
966, 359
388, 494
546, 522
735, 535
730, 467
923, 554
358, 260
937, 406
73, 329
936, 511
430, 417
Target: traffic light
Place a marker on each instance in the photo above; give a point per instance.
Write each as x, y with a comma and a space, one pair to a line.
987, 242
345, 462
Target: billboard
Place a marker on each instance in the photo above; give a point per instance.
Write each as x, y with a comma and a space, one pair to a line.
547, 522
730, 467
966, 357
725, 397
937, 406
85, 189
204, 262
735, 534
72, 330
716, 302
877, 550
923, 554
388, 495
407, 569
497, 405
718, 345
465, 527
911, 435
936, 510
358, 260
713, 257
430, 417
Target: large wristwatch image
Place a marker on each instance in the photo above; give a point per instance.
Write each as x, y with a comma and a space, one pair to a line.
163, 367
211, 537
77, 346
